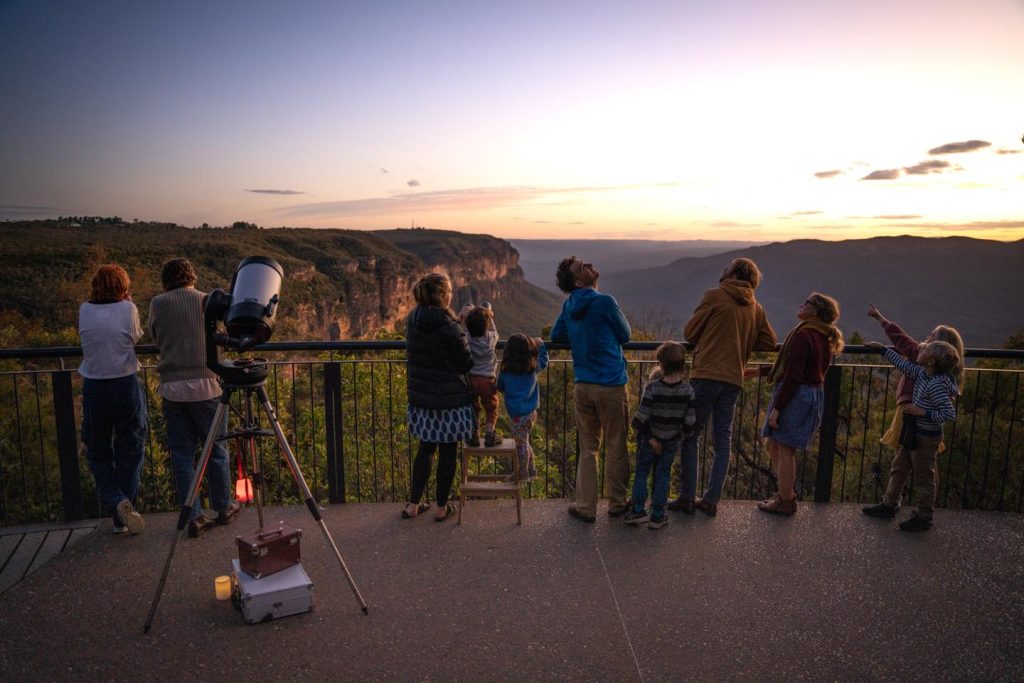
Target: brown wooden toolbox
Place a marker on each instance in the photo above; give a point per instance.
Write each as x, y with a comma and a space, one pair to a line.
270, 549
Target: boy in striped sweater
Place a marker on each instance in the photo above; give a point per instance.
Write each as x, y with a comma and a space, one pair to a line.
665, 415
934, 389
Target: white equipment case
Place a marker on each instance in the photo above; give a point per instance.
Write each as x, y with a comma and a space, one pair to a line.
281, 594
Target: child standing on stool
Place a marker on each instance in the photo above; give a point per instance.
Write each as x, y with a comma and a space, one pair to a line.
483, 339
934, 387
521, 360
665, 415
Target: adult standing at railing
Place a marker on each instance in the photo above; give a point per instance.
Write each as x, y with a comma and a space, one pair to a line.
595, 328
440, 409
726, 328
113, 402
189, 392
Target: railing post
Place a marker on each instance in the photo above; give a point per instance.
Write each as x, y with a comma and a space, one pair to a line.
67, 445
335, 423
827, 435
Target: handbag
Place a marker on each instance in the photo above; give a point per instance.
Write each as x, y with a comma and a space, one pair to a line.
908, 431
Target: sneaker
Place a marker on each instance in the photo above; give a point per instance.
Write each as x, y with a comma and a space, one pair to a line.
132, 520
634, 517
708, 508
227, 515
881, 511
493, 439
119, 529
473, 441
916, 523
657, 521
681, 505
576, 514
198, 525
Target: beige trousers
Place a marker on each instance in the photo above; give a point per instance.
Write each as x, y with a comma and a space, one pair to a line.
602, 410
922, 461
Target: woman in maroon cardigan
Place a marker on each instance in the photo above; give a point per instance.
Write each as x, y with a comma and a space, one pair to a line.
798, 374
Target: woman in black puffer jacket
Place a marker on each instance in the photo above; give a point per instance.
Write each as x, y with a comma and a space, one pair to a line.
440, 405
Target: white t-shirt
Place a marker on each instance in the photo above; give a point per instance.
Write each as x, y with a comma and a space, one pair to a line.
108, 333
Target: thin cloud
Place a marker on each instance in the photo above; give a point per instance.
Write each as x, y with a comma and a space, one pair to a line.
463, 199
1008, 151
385, 171
276, 192
577, 223
959, 147
827, 174
806, 213
887, 174
19, 207
540, 221
926, 167
967, 227
897, 217
412, 183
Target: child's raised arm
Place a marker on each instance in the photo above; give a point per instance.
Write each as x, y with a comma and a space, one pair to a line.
903, 342
542, 354
911, 370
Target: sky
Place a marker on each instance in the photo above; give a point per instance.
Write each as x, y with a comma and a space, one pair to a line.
681, 119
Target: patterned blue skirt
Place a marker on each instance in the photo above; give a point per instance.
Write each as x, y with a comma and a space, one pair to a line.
444, 425
799, 420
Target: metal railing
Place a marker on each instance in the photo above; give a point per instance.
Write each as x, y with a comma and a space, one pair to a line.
342, 406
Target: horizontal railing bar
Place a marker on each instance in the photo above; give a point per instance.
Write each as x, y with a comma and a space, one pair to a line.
399, 345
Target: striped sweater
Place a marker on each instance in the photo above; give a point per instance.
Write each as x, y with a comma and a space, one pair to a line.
933, 393
666, 410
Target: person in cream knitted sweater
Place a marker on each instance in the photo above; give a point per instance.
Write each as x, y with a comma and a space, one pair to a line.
189, 392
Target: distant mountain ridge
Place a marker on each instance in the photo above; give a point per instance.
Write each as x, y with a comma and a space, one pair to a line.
539, 257
974, 285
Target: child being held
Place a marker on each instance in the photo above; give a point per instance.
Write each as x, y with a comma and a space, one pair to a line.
935, 384
521, 360
666, 413
483, 339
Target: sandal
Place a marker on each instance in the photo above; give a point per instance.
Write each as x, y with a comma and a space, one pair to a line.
422, 507
449, 510
777, 506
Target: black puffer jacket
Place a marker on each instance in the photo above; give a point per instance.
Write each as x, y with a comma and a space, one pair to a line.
438, 359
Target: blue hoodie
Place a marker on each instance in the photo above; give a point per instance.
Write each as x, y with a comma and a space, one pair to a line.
595, 328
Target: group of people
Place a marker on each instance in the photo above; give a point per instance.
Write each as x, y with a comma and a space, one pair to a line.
452, 365
114, 415
455, 378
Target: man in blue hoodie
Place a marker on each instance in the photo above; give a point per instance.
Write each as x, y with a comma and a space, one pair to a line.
595, 328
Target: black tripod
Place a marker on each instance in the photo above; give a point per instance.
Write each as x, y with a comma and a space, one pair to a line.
254, 389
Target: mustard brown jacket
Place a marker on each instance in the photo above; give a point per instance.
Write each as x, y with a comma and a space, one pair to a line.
727, 326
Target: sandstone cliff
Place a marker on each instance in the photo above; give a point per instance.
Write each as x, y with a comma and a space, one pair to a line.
339, 284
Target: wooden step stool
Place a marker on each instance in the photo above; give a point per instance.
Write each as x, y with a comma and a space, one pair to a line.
491, 485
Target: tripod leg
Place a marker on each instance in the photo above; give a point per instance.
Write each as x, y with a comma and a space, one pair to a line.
307, 494
186, 508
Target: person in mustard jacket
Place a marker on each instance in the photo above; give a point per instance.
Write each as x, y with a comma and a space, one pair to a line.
725, 329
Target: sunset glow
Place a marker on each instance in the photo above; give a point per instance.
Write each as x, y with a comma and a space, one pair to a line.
663, 120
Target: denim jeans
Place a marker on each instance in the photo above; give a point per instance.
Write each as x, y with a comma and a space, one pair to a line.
188, 423
646, 460
717, 400
114, 433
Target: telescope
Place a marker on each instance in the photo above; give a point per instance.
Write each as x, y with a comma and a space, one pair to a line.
243, 319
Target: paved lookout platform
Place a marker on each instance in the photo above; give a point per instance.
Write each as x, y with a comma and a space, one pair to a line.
826, 595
